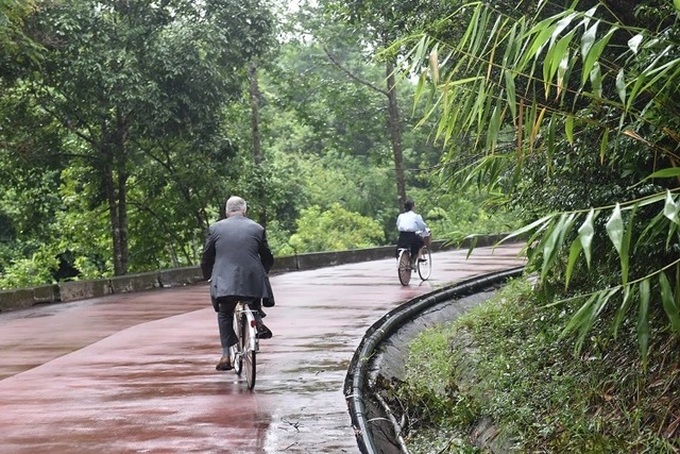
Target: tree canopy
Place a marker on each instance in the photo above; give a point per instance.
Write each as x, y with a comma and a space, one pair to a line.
133, 93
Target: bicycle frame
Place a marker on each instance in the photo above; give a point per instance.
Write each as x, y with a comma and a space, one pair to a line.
252, 342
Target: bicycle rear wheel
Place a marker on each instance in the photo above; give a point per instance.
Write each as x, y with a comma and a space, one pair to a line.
249, 350
425, 268
404, 269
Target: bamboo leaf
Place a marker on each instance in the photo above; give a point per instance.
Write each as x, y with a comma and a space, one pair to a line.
561, 25
621, 86
621, 311
434, 65
668, 302
574, 252
671, 235
472, 28
569, 129
542, 33
615, 228
604, 145
625, 247
634, 43
637, 86
670, 208
510, 92
534, 252
473, 244
581, 315
594, 55
586, 233
528, 228
555, 238
494, 127
660, 71
670, 172
587, 42
596, 80
562, 74
592, 314
643, 320
555, 59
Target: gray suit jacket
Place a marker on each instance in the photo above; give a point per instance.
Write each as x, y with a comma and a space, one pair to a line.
237, 258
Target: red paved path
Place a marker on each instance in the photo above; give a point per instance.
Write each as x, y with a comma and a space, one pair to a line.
135, 373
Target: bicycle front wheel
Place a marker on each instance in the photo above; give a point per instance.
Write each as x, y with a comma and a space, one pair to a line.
237, 349
249, 360
425, 268
404, 266
248, 339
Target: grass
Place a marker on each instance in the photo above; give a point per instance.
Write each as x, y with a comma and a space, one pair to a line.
507, 363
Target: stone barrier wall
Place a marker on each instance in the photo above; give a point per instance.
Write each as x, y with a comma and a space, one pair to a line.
77, 290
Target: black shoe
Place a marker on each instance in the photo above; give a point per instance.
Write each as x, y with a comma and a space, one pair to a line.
263, 332
224, 364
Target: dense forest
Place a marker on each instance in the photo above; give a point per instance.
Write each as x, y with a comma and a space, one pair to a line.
126, 124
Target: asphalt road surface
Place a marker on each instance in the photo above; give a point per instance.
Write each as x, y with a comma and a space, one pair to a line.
136, 373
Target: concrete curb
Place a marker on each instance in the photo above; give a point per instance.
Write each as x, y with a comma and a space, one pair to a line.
78, 290
373, 432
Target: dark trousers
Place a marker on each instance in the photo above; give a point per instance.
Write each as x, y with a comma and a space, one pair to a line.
224, 306
409, 240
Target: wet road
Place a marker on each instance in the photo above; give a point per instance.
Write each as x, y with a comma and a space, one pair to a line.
135, 373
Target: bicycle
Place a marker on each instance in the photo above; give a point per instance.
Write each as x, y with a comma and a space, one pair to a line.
406, 264
244, 352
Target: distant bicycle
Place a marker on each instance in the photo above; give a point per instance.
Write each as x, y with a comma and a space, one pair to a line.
244, 353
407, 264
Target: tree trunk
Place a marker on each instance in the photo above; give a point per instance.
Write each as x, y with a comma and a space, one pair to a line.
255, 129
108, 179
394, 125
114, 175
122, 175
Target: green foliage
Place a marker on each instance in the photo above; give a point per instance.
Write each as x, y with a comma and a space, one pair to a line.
329, 109
129, 100
428, 393
509, 363
334, 229
15, 44
34, 271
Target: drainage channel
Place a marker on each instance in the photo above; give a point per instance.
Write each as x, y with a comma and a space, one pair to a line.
372, 426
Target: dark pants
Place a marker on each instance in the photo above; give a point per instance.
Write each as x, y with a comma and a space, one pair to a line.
409, 240
224, 306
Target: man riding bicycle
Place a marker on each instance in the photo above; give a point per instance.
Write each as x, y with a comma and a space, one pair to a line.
236, 260
413, 232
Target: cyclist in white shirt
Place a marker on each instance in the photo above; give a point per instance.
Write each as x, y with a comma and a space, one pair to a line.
413, 232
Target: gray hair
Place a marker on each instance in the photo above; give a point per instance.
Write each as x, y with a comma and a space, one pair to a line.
236, 205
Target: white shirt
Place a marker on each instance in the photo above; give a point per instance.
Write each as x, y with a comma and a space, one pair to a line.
410, 222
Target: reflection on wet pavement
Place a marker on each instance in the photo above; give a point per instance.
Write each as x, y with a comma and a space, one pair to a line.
135, 373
